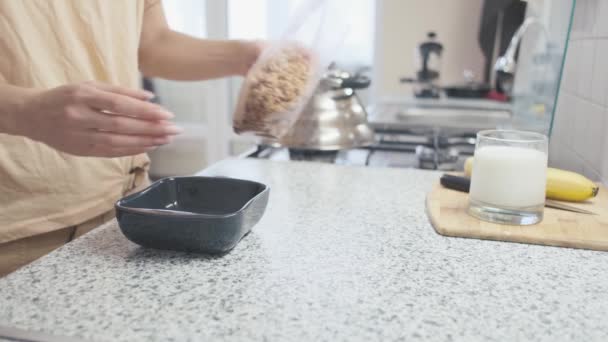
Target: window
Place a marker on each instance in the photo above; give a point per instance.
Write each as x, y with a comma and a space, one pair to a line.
268, 19
187, 16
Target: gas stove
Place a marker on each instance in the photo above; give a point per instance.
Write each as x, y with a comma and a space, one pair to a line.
435, 135
429, 149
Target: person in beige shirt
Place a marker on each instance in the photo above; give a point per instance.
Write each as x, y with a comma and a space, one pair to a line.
74, 127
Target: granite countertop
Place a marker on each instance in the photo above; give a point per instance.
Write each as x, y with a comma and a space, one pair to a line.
342, 254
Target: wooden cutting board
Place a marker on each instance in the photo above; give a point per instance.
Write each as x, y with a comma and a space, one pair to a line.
447, 210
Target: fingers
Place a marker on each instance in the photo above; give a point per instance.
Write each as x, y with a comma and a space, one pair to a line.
110, 135
125, 105
133, 126
128, 125
134, 93
114, 140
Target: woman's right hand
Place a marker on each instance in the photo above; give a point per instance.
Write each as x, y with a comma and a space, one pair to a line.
95, 119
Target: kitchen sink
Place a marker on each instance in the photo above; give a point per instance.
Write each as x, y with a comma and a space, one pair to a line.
453, 117
447, 114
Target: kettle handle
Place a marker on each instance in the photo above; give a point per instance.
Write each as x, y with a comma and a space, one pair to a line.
357, 82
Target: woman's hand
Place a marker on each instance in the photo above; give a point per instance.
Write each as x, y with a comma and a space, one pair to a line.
95, 119
252, 49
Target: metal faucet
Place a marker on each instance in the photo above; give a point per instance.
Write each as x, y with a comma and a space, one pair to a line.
506, 65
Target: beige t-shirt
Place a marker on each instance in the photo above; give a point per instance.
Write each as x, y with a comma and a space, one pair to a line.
44, 44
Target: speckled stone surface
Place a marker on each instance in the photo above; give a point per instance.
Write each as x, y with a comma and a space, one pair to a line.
342, 254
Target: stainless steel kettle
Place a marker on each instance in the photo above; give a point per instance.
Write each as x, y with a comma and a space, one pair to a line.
334, 118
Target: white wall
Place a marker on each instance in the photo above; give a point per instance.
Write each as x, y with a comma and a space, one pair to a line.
402, 24
580, 140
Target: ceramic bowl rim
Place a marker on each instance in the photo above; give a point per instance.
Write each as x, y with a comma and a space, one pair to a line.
120, 204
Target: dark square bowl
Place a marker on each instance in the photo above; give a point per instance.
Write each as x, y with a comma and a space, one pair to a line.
192, 214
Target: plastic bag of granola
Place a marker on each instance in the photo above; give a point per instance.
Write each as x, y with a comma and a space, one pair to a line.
283, 79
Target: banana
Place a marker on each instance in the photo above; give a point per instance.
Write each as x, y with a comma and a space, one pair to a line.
569, 186
468, 167
562, 185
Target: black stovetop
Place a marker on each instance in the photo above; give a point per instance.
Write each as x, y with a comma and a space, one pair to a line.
422, 149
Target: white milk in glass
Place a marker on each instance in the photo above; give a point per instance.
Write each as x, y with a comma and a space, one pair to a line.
509, 177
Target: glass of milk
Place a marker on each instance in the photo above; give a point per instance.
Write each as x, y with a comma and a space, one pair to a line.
509, 177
